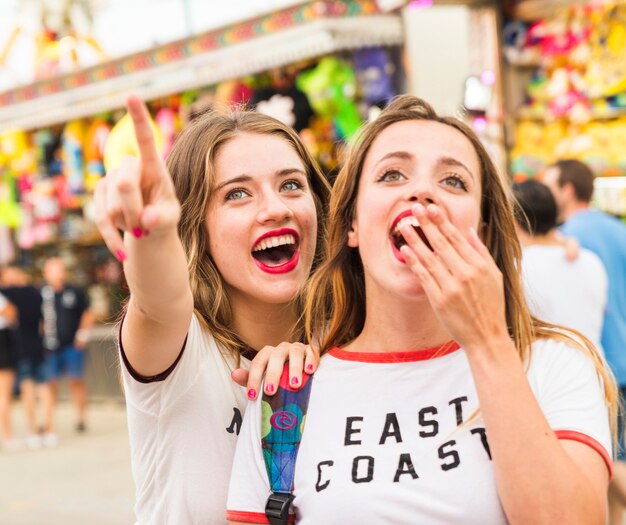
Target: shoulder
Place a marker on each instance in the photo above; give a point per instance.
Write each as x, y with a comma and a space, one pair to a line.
550, 358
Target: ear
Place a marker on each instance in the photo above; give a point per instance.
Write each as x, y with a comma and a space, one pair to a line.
569, 191
353, 238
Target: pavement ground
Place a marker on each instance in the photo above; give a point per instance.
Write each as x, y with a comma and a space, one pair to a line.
86, 480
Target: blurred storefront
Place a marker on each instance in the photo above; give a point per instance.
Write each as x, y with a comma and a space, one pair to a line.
324, 66
565, 85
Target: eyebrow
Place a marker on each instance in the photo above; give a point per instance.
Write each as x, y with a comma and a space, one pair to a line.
247, 178
404, 155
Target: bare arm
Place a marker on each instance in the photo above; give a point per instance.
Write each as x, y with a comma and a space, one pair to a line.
9, 312
566, 482
139, 198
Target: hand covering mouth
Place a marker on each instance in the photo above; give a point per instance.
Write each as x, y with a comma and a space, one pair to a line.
398, 239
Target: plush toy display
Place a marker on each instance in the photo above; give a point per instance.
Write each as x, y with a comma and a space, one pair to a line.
331, 90
95, 139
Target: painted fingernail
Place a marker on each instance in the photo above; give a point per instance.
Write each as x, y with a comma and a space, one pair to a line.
252, 393
137, 232
309, 368
295, 381
269, 388
121, 255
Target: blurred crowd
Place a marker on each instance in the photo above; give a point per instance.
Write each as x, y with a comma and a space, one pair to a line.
44, 331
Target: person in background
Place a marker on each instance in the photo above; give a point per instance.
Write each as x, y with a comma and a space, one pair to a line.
571, 293
8, 316
571, 183
32, 376
67, 326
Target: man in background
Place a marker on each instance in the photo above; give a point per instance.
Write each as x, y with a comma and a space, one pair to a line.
67, 326
571, 183
571, 293
32, 375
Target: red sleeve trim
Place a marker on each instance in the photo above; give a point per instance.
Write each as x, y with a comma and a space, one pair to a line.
251, 517
162, 376
589, 441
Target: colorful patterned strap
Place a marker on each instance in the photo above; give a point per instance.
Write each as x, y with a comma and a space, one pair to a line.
282, 424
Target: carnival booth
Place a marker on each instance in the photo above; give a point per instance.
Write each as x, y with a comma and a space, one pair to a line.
322, 66
566, 90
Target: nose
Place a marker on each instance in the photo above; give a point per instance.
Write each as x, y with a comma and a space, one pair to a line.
421, 193
273, 209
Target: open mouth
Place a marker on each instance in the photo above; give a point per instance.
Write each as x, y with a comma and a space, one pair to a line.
277, 252
398, 240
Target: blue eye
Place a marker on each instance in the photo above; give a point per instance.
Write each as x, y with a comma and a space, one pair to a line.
236, 195
391, 176
291, 185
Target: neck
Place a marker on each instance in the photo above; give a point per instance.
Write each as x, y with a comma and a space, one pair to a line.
259, 324
397, 325
574, 207
548, 239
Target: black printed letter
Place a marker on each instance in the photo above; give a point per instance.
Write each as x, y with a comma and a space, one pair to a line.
370, 469
319, 486
459, 410
405, 466
235, 424
456, 461
349, 430
391, 421
428, 422
483, 439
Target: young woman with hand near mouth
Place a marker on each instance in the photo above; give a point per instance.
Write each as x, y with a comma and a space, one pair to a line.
217, 247
440, 399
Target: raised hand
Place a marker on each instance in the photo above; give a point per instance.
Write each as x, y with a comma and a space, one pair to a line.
137, 197
461, 279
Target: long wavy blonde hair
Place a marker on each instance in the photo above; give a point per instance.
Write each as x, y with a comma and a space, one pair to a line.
335, 306
192, 166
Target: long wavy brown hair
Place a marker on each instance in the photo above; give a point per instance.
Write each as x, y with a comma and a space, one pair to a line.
192, 166
335, 307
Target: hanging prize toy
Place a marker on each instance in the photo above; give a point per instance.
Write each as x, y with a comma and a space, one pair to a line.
331, 90
72, 154
374, 72
168, 122
121, 142
95, 139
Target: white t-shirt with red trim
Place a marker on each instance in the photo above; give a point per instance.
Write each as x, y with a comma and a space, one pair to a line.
390, 438
183, 432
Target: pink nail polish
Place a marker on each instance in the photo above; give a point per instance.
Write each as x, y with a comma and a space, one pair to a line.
269, 388
137, 232
252, 393
295, 381
309, 368
121, 255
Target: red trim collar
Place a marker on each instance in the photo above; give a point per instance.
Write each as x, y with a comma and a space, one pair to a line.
396, 357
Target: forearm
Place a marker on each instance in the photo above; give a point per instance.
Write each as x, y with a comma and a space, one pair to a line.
157, 275
538, 481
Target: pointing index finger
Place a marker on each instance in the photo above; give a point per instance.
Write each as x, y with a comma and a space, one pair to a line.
150, 158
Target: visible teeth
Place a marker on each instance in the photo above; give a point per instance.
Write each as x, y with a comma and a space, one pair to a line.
410, 219
273, 242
